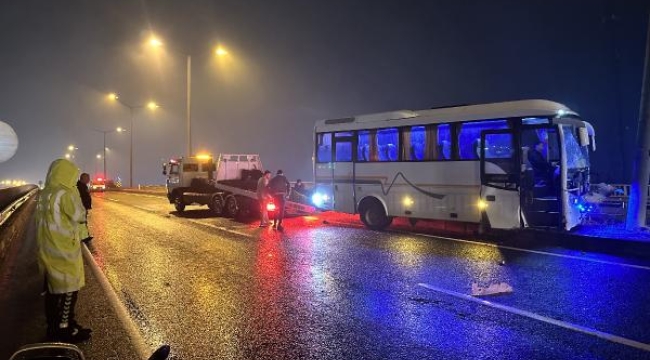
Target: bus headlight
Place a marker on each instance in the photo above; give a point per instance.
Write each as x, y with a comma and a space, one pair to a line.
482, 204
318, 199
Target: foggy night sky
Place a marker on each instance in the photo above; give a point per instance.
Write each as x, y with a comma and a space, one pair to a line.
295, 62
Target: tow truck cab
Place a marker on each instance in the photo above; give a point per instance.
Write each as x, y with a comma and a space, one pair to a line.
226, 185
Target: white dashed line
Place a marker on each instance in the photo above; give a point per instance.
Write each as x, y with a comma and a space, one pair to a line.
221, 228
563, 324
573, 257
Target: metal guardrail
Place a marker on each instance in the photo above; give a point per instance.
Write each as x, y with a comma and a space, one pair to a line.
14, 205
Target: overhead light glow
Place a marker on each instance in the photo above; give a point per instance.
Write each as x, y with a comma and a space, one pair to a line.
155, 42
221, 51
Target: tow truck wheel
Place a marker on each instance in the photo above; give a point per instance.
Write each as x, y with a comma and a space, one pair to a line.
232, 209
179, 204
217, 205
373, 215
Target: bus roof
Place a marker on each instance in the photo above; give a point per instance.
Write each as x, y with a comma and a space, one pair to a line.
498, 110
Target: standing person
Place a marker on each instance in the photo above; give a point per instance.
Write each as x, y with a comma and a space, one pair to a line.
262, 197
299, 187
58, 215
298, 192
87, 201
279, 187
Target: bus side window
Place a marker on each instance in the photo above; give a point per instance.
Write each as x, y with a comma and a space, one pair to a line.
343, 148
414, 140
324, 150
363, 146
443, 142
469, 137
388, 144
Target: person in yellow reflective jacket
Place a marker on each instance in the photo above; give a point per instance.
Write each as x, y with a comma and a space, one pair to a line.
59, 214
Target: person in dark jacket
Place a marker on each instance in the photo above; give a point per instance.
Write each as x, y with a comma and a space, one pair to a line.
542, 169
87, 201
82, 185
279, 187
299, 187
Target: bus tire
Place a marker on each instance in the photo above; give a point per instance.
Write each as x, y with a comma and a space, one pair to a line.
179, 205
232, 208
373, 215
217, 205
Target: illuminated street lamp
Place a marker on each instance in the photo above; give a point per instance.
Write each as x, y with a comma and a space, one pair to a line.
151, 105
104, 132
219, 51
70, 151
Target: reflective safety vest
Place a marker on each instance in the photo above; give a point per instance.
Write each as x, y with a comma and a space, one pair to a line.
59, 215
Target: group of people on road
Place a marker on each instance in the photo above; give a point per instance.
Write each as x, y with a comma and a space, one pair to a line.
275, 189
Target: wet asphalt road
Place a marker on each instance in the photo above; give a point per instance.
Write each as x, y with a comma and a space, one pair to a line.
216, 288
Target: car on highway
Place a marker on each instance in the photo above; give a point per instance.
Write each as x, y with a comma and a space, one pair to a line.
99, 184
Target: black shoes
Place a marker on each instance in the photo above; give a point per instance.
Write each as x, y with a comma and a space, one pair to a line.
73, 334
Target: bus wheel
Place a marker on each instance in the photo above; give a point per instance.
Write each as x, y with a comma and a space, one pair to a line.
178, 203
232, 209
373, 215
217, 205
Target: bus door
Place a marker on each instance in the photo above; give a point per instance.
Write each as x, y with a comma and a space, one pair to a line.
540, 191
343, 172
500, 176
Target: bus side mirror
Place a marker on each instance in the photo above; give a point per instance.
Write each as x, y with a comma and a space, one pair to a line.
164, 172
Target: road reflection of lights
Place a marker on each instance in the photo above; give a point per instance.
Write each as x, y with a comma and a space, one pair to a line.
406, 252
482, 265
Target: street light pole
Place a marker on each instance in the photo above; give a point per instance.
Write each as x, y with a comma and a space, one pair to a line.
104, 148
189, 105
131, 150
104, 132
152, 106
220, 51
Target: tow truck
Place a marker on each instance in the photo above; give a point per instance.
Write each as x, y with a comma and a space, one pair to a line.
226, 185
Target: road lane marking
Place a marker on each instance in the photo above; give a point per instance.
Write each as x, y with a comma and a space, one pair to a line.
221, 228
122, 313
573, 257
161, 196
563, 324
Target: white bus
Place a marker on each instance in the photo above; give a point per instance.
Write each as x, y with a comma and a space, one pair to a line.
462, 163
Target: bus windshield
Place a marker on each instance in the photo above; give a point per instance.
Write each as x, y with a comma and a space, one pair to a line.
577, 156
